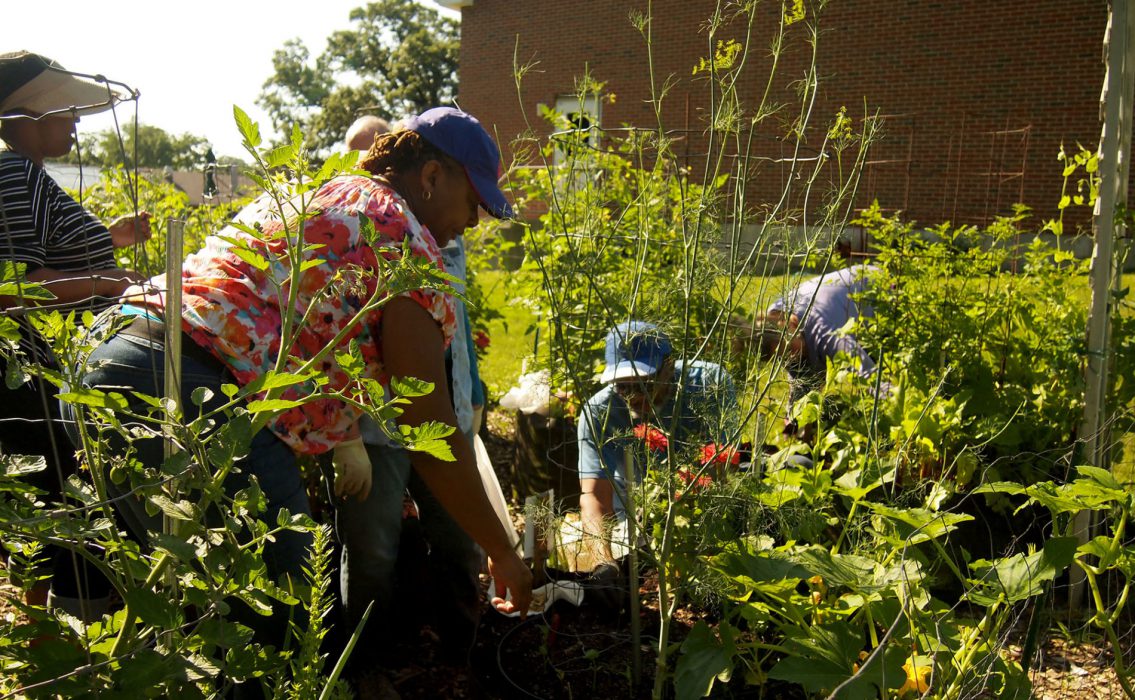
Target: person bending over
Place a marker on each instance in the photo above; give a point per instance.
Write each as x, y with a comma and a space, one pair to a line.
692, 402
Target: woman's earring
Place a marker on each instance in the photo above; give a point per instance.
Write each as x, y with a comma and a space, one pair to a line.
427, 195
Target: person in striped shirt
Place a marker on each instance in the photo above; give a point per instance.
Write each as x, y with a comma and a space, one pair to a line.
60, 245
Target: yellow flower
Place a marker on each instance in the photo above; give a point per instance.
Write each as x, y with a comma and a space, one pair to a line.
918, 672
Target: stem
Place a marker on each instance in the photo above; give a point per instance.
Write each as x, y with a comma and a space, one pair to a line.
128, 616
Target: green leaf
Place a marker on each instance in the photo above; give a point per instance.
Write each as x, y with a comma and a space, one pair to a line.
275, 380
199, 668
848, 570
1102, 476
1013, 579
95, 398
251, 257
80, 490
351, 361
14, 375
177, 463
410, 387
152, 608
19, 465
1121, 559
705, 657
231, 441
266, 405
366, 230
300, 522
335, 164
1004, 487
179, 510
249, 130
146, 669
29, 292
824, 656
429, 438
176, 546
766, 566
924, 525
224, 633
279, 156
249, 661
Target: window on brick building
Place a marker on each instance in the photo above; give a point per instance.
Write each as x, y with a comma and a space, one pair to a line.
583, 118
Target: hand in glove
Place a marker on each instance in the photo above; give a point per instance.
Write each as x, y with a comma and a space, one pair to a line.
353, 474
606, 586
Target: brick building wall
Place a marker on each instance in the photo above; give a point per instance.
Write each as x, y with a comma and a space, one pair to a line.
980, 95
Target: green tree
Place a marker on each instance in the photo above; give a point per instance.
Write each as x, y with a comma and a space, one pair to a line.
143, 146
399, 57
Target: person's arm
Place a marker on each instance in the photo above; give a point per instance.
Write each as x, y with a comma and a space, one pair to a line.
412, 347
127, 230
596, 511
597, 491
73, 287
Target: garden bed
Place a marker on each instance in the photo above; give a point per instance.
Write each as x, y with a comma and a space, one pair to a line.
579, 652
571, 652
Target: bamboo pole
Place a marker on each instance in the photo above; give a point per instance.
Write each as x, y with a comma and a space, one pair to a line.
175, 235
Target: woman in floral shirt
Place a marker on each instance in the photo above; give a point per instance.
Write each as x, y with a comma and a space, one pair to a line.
427, 182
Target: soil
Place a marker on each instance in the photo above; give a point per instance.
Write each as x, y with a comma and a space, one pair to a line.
1066, 669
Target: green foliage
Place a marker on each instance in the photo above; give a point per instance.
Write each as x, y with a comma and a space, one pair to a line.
179, 634
140, 146
986, 327
843, 576
616, 220
120, 193
398, 58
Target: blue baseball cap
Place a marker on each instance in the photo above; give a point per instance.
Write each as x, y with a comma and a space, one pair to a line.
460, 136
634, 349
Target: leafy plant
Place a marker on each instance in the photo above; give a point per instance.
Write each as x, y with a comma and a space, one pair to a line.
195, 591
121, 192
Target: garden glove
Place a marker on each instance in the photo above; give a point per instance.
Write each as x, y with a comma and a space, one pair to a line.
606, 586
353, 474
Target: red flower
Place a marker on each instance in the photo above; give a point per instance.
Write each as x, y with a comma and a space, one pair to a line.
722, 454
694, 483
481, 339
654, 438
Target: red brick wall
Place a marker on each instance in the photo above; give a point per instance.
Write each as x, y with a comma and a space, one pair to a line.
980, 87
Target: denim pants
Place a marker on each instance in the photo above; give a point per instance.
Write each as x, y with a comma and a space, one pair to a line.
126, 363
371, 532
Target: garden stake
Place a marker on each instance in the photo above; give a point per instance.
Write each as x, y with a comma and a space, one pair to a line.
175, 235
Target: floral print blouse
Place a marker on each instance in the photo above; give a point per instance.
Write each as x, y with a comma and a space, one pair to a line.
232, 307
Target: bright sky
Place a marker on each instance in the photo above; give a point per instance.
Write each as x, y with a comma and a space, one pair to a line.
190, 61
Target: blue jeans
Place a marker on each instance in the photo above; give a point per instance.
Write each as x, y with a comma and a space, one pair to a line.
127, 363
371, 532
